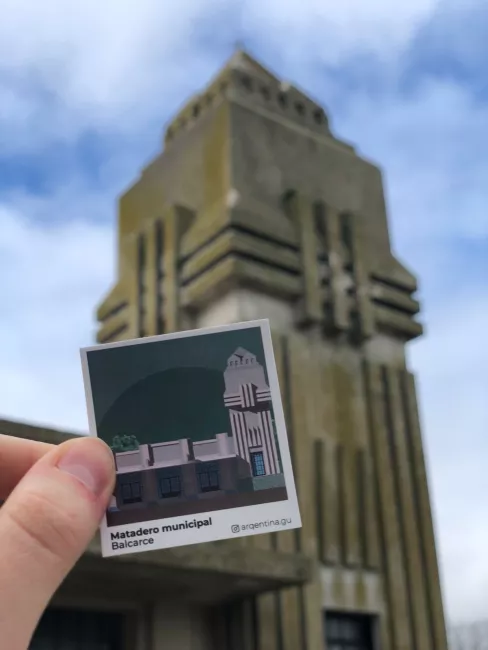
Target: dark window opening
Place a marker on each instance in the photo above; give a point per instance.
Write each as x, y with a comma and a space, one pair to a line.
77, 629
196, 110
319, 222
257, 464
346, 231
348, 631
288, 198
208, 477
323, 270
328, 313
170, 486
355, 321
318, 116
265, 93
246, 82
300, 108
131, 492
283, 100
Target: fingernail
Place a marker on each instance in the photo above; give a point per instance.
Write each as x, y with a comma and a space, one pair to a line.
90, 461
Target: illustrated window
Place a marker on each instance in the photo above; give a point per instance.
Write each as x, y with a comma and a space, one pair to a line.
131, 492
257, 464
170, 486
208, 477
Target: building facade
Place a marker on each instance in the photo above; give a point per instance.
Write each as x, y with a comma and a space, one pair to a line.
255, 210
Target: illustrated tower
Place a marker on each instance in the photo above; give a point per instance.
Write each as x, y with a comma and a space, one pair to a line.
248, 398
255, 210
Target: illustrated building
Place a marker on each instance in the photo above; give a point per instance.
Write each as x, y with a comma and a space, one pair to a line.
255, 209
172, 475
165, 479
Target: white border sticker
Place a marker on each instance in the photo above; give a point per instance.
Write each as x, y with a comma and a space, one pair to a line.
181, 491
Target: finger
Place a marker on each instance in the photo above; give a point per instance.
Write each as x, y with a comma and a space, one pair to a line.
45, 525
17, 456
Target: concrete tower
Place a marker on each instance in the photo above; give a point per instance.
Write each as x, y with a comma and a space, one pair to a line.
254, 209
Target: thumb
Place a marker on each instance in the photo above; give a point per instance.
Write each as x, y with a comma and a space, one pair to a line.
45, 525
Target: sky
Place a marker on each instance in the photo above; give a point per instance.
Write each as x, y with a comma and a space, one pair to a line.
116, 369
85, 91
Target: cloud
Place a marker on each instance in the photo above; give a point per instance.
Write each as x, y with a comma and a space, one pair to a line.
106, 66
112, 65
52, 278
429, 141
450, 365
332, 32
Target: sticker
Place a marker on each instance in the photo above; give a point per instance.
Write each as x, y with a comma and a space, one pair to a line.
196, 426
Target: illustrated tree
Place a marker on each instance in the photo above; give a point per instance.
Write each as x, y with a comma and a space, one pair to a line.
124, 442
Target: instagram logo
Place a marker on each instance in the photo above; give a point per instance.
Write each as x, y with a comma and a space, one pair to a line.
235, 528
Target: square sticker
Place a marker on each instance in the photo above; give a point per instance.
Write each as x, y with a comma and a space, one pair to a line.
196, 425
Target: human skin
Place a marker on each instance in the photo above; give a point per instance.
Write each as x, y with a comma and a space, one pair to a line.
55, 497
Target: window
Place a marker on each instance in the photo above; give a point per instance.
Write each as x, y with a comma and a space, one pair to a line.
208, 477
300, 108
318, 116
257, 464
348, 631
170, 486
283, 99
246, 82
70, 629
346, 231
319, 221
131, 492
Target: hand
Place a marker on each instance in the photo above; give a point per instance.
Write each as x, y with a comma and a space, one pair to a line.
55, 499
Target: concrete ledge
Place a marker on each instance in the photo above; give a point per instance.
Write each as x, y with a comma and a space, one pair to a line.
402, 325
224, 557
207, 572
35, 432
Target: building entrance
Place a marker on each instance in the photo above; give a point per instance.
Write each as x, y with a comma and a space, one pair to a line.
67, 629
348, 631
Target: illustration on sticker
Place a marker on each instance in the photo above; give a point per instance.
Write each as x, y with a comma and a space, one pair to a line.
191, 424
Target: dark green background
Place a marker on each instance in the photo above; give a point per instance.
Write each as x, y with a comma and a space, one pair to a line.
166, 390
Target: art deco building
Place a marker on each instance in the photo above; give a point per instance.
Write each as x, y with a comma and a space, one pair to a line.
254, 209
176, 477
